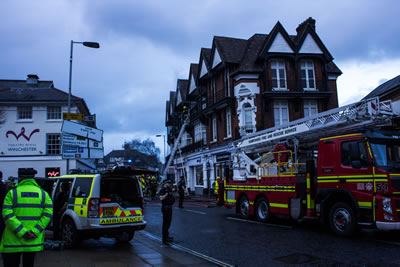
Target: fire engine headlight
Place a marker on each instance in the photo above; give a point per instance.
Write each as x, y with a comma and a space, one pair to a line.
388, 217
387, 205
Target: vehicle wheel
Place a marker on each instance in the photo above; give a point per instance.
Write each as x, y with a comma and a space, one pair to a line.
69, 234
244, 207
342, 219
125, 236
262, 210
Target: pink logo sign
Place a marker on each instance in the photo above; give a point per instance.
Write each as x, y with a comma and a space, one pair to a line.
22, 133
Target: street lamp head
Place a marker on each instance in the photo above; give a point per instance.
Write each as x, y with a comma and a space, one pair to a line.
159, 135
91, 44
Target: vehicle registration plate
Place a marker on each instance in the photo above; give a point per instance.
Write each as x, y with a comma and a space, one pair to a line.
108, 211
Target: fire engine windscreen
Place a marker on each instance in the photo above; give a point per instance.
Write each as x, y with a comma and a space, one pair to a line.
123, 190
386, 154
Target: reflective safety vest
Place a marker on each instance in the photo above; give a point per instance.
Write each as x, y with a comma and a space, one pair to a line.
26, 208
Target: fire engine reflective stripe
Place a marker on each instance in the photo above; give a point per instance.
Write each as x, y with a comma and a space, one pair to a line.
370, 151
328, 181
231, 201
365, 204
360, 180
339, 136
251, 202
279, 205
381, 180
276, 188
373, 208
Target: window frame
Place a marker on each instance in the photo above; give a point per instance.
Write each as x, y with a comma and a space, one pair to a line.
308, 105
228, 123
48, 144
305, 67
278, 65
281, 105
54, 112
21, 111
214, 129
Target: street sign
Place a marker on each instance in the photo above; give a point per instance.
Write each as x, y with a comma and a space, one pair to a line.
82, 130
71, 140
73, 116
81, 153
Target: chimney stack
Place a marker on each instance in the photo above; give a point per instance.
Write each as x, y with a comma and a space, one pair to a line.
32, 79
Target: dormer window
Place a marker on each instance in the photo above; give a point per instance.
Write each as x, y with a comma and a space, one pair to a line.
307, 75
278, 74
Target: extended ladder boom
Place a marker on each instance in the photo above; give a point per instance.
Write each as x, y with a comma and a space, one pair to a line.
174, 149
353, 116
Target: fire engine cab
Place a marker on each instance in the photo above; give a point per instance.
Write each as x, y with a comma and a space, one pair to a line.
339, 166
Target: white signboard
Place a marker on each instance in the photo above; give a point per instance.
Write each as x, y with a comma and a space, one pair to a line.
79, 141
81, 153
22, 140
273, 135
82, 130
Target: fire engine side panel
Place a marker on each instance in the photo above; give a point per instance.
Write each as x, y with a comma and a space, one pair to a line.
278, 191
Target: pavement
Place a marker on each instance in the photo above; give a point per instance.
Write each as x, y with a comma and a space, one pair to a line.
144, 250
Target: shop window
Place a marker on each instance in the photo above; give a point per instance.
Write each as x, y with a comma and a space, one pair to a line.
199, 175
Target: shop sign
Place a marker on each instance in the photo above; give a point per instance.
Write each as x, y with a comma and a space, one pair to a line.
223, 157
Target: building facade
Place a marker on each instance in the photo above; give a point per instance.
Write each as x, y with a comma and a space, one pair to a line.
31, 113
241, 86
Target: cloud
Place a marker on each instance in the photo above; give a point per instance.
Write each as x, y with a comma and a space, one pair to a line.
359, 78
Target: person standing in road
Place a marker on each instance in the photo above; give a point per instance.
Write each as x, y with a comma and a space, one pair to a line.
181, 192
27, 211
167, 200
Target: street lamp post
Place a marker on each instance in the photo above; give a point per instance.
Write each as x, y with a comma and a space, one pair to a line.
87, 44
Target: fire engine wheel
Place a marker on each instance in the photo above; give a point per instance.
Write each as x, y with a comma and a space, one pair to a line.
244, 207
262, 210
69, 234
342, 219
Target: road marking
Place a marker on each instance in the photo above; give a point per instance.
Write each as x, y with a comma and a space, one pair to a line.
387, 242
187, 250
268, 224
194, 211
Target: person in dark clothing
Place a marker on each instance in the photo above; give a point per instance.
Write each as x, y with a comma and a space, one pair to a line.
181, 192
60, 205
167, 200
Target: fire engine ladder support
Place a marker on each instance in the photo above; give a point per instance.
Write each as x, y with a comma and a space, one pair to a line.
174, 149
369, 112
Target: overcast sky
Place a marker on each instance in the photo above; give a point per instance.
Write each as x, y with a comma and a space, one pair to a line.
147, 45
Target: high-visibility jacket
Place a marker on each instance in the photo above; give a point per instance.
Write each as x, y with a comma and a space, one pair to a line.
26, 207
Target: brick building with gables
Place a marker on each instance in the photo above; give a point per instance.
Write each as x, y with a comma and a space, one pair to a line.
241, 86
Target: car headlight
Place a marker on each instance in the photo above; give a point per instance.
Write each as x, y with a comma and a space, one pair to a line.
387, 205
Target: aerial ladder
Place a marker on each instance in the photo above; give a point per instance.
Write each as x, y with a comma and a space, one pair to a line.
175, 148
307, 131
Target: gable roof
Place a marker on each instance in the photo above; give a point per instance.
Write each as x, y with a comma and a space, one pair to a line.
249, 60
385, 88
20, 92
278, 30
231, 49
181, 90
194, 68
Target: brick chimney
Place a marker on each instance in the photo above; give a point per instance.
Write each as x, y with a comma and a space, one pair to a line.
32, 79
310, 21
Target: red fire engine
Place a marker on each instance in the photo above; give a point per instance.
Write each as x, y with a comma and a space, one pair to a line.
339, 166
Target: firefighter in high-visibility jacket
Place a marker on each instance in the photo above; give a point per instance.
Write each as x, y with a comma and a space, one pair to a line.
27, 210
